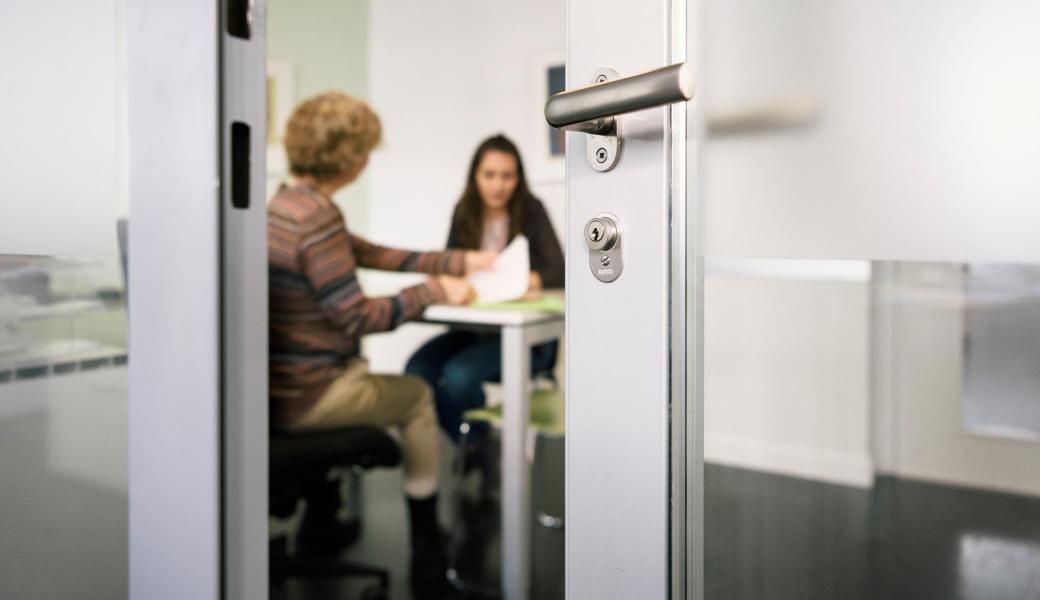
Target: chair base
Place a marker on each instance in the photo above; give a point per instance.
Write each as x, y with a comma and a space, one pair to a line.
307, 565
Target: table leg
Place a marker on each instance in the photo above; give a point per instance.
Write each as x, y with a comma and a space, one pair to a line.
516, 510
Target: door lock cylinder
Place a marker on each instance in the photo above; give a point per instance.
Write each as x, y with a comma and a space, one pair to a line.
603, 237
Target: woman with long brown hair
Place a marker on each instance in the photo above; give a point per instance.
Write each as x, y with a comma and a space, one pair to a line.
495, 207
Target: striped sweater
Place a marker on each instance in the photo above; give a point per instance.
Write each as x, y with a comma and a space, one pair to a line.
318, 312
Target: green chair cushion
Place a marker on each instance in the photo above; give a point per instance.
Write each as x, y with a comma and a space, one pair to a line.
548, 413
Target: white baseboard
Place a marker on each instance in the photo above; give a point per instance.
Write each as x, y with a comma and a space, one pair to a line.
842, 468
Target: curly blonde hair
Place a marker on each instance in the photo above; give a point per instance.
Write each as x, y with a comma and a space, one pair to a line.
330, 135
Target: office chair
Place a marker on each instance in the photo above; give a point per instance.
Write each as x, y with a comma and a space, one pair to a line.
300, 462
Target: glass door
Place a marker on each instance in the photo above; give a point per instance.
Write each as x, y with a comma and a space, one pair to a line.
63, 316
867, 196
132, 473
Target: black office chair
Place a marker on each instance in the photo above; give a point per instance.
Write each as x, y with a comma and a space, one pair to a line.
299, 464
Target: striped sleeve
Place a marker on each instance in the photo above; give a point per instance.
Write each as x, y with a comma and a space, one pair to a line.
328, 261
374, 256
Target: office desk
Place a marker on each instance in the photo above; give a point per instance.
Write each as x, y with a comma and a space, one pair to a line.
520, 330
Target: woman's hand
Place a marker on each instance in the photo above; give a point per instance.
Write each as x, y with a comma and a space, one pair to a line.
456, 289
534, 283
479, 260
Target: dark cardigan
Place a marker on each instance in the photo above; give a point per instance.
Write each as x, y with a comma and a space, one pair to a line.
544, 248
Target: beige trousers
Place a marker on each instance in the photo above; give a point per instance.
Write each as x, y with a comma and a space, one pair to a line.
358, 397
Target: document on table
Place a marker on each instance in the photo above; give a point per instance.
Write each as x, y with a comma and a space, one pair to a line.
508, 279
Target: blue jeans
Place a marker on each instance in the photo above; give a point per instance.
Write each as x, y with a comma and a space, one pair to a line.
455, 365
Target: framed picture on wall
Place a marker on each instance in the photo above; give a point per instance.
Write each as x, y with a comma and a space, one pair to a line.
549, 77
281, 94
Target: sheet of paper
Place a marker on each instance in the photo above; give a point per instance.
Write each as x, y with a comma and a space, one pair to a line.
509, 278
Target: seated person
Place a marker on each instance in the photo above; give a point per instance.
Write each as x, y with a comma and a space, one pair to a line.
318, 313
495, 207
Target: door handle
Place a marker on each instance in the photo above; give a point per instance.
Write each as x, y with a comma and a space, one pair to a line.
594, 109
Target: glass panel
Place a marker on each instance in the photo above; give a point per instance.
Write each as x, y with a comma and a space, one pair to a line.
63, 320
895, 130
63, 400
838, 465
890, 148
1002, 350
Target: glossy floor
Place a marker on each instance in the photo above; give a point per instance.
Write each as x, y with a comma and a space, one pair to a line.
772, 537
784, 538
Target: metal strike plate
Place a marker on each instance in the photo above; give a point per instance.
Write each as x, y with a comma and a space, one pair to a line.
604, 151
603, 237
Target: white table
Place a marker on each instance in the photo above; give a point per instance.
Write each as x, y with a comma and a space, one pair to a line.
520, 330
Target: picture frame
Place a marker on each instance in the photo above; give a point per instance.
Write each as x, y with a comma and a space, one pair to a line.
281, 97
548, 76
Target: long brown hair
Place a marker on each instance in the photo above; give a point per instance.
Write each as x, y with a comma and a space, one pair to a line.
470, 209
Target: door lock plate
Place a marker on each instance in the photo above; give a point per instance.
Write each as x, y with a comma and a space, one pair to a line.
603, 151
603, 237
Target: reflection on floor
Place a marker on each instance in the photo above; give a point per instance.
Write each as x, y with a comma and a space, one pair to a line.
773, 537
384, 543
776, 537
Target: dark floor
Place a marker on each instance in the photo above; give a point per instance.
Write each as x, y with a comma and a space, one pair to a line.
473, 523
776, 537
773, 537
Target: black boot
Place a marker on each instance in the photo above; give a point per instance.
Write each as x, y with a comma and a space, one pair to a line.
429, 565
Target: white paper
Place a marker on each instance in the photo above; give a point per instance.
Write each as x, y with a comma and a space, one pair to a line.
508, 279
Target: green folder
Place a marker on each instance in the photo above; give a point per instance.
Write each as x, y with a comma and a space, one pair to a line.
548, 303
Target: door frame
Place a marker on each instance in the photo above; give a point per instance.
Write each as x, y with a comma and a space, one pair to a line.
657, 481
197, 288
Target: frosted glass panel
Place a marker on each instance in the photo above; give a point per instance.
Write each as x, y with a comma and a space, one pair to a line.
870, 130
897, 141
63, 319
63, 431
63, 150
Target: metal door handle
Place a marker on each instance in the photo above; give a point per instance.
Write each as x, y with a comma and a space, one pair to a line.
593, 109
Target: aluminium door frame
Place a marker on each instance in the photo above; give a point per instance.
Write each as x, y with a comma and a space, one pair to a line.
244, 314
198, 304
678, 459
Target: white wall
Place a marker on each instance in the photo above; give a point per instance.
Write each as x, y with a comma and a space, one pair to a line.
323, 45
443, 78
786, 368
919, 429
816, 371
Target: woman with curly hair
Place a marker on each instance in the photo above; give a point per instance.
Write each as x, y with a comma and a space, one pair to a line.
318, 314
